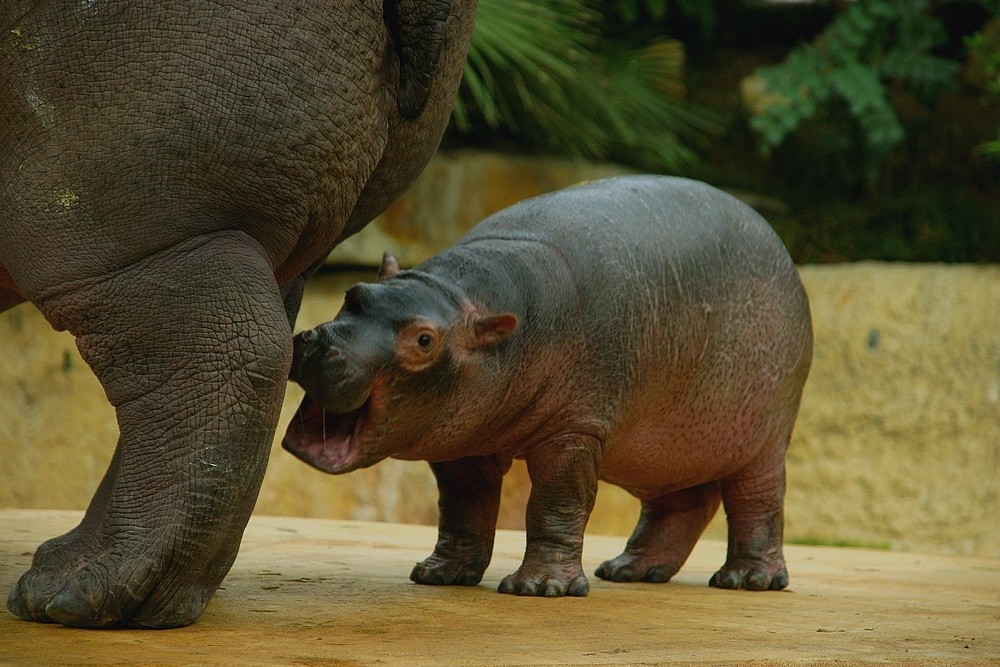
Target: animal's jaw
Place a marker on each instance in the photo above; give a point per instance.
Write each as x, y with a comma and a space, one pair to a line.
328, 441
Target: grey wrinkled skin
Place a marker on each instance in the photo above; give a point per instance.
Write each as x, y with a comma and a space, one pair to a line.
648, 331
170, 173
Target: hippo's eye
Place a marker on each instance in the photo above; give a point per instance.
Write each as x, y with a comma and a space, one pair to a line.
418, 345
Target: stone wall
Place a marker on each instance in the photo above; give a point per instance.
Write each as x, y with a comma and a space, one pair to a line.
898, 441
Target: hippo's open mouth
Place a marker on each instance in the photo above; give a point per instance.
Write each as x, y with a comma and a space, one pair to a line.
326, 440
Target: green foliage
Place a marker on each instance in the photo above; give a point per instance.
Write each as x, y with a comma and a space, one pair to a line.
987, 52
635, 13
842, 77
519, 44
942, 222
992, 6
542, 73
631, 11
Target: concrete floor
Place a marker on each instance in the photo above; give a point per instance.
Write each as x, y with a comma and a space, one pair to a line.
317, 592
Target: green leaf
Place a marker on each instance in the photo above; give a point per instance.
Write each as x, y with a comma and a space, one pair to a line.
658, 8
869, 43
541, 72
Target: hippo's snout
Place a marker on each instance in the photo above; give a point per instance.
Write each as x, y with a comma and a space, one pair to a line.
305, 348
328, 375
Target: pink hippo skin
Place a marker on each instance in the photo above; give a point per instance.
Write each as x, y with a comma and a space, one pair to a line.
648, 331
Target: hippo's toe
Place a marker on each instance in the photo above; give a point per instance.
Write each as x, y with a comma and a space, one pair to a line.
751, 575
436, 571
629, 567
545, 585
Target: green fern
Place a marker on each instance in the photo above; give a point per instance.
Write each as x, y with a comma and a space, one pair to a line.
541, 72
868, 44
987, 56
519, 46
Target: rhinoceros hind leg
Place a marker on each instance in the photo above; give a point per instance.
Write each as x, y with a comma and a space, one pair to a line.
192, 345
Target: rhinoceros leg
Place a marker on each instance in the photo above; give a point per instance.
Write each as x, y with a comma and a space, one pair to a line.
469, 501
563, 488
668, 528
754, 502
292, 292
9, 296
192, 346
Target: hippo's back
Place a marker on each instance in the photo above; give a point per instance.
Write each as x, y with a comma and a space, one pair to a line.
656, 245
636, 223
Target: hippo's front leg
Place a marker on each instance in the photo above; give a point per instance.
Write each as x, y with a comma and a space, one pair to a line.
563, 474
192, 346
469, 501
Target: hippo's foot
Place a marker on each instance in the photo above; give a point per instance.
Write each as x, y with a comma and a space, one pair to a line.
632, 567
438, 570
753, 574
98, 587
547, 581
668, 528
754, 558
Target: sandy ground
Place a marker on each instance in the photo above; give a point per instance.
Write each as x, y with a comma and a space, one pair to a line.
318, 592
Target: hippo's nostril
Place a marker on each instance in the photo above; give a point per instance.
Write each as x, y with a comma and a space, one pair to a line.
332, 353
309, 336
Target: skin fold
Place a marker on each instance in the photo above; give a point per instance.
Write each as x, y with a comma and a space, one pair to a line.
648, 331
170, 173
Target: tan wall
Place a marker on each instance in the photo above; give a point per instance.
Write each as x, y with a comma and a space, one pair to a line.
898, 439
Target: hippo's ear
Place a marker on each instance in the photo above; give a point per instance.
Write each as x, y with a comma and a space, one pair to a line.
492, 329
389, 268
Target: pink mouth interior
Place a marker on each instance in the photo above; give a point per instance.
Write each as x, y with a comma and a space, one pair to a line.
325, 440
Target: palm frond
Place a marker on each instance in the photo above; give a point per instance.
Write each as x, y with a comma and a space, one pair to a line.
542, 72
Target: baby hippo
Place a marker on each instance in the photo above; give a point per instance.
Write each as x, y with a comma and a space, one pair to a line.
648, 331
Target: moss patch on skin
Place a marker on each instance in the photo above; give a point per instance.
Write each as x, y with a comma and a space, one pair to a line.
24, 42
66, 198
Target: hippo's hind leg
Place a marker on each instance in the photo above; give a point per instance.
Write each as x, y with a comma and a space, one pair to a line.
753, 498
668, 528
